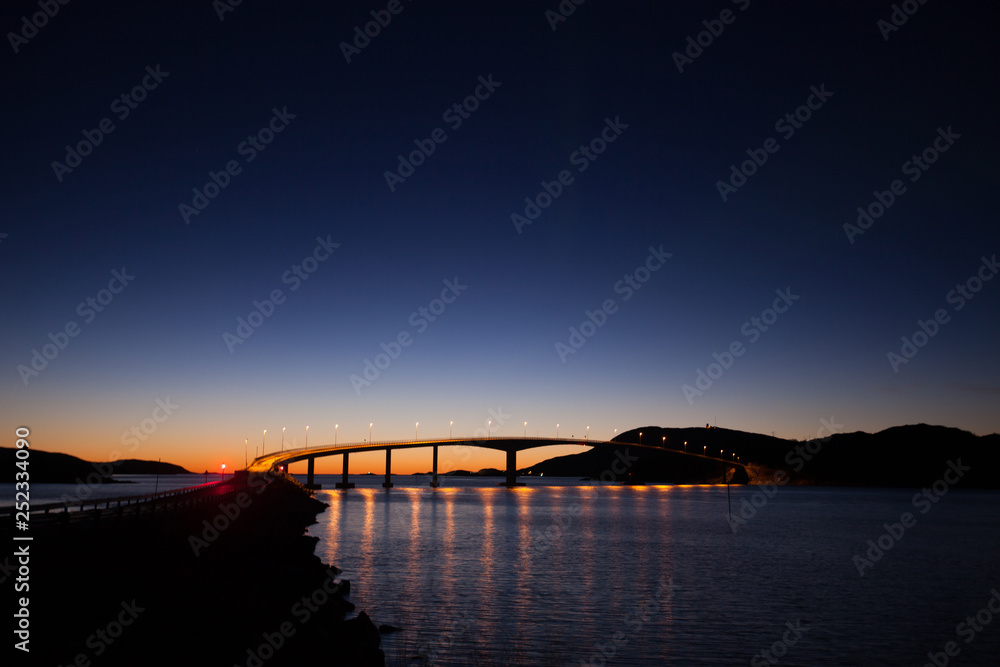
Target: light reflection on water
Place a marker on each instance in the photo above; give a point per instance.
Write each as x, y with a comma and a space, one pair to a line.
556, 575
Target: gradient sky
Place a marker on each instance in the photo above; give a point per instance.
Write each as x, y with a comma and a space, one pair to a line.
886, 93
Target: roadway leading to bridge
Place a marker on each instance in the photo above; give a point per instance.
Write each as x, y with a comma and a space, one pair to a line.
509, 445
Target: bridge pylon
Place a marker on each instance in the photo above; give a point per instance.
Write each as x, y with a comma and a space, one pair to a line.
511, 481
343, 483
311, 474
434, 473
387, 484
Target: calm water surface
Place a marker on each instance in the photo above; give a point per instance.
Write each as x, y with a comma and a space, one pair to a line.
134, 485
569, 574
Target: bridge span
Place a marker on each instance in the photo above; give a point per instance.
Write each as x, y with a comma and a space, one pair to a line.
509, 445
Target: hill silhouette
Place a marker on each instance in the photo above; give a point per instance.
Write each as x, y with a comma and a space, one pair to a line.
54, 468
140, 467
902, 456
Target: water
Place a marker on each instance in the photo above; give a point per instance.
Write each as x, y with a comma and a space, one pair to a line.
559, 573
137, 485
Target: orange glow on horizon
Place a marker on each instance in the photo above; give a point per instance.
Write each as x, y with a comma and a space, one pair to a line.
203, 453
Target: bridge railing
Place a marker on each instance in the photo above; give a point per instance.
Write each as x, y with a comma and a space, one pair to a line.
378, 444
432, 441
220, 488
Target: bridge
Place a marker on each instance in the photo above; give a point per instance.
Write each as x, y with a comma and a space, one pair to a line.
509, 445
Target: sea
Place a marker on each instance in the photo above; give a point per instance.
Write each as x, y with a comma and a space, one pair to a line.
564, 572
568, 572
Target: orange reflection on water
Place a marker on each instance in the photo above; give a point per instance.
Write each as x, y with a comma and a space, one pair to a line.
587, 548
524, 567
368, 532
487, 497
448, 540
334, 516
414, 496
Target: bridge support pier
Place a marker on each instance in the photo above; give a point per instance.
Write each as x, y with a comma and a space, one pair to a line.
344, 484
434, 474
311, 474
511, 469
387, 484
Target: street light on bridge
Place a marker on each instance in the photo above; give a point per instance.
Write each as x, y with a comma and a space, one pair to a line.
282, 438
640, 437
450, 424
588, 433
223, 471
263, 439
525, 434
415, 431
489, 428
307, 437
370, 432
685, 445
557, 430
664, 444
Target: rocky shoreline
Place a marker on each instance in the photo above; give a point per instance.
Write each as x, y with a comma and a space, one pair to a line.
234, 583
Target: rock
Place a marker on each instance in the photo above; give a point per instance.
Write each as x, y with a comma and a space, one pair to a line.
359, 641
385, 628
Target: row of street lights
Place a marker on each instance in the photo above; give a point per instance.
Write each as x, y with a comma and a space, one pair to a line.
704, 449
451, 424
416, 434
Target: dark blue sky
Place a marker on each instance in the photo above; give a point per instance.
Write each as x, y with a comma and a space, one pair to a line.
496, 345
